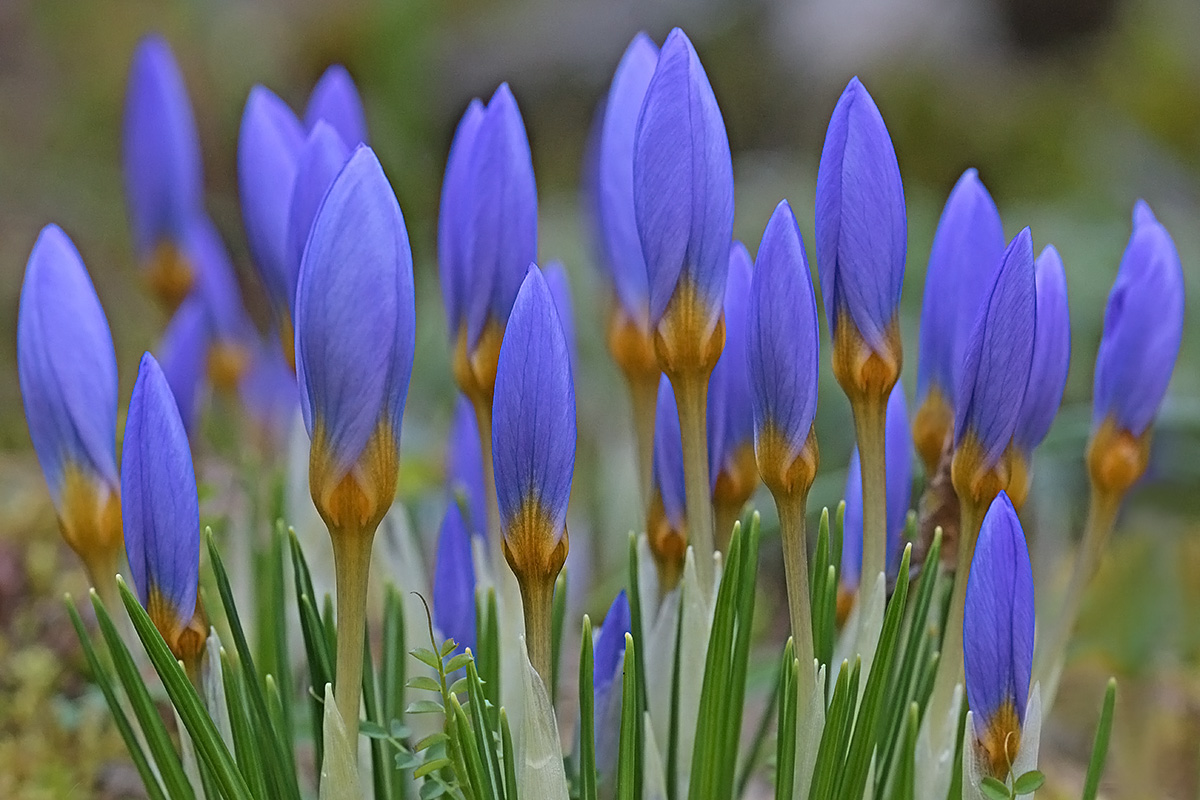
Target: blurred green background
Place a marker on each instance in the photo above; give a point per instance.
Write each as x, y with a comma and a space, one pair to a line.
1070, 109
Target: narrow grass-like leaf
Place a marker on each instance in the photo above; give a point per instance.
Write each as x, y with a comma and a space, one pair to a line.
281, 665
558, 617
760, 735
831, 752
485, 736
476, 776
587, 715
510, 758
245, 745
380, 763
392, 673
320, 660
901, 781
785, 741
639, 671
731, 722
1095, 769
628, 785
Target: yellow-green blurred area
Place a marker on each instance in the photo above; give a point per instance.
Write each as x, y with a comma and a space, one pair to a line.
1070, 109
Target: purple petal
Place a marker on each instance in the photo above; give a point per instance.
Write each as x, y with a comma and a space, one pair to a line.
860, 224
731, 376
682, 180
1143, 327
454, 217
560, 289
668, 455
1000, 354
1051, 353
319, 161
998, 620
464, 464
610, 645
66, 365
161, 149
966, 252
159, 507
454, 582
782, 343
355, 331
335, 100
217, 282
183, 354
269, 390
533, 413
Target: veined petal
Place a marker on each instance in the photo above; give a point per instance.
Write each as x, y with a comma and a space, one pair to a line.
66, 365
454, 581
355, 311
1051, 353
668, 455
454, 218
161, 149
682, 181
335, 100
861, 228
319, 161
464, 464
617, 220
159, 506
269, 392
1143, 327
502, 237
217, 282
533, 413
610, 645
269, 142
731, 376
998, 619
560, 289
966, 252
182, 354
1000, 354
782, 340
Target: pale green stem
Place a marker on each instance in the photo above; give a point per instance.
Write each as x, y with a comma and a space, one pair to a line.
691, 396
792, 507
352, 566
483, 418
870, 429
643, 395
537, 600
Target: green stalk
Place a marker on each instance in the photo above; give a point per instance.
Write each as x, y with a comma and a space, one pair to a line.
691, 397
870, 429
795, 569
352, 564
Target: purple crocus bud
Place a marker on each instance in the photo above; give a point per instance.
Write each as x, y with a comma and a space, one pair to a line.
683, 204
163, 174
355, 328
666, 522
182, 355
782, 352
231, 330
899, 450
269, 143
319, 161
454, 581
454, 222
68, 376
998, 623
335, 100
966, 252
607, 665
1143, 327
560, 289
616, 219
270, 395
996, 368
861, 237
464, 465
1048, 375
161, 514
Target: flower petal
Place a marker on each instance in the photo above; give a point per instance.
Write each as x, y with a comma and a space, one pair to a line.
182, 357
454, 581
454, 217
560, 289
319, 161
730, 408
610, 645
668, 455
1051, 353
464, 465
335, 100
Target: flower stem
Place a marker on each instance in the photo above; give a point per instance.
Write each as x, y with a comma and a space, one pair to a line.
483, 419
792, 507
643, 394
1052, 650
352, 566
691, 396
869, 428
537, 600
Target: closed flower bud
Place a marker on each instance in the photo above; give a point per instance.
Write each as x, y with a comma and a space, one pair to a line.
182, 355
163, 174
782, 347
269, 395
464, 466
607, 667
318, 162
68, 376
355, 338
231, 330
861, 235
454, 581
666, 524
335, 100
683, 204
560, 289
454, 223
161, 513
966, 252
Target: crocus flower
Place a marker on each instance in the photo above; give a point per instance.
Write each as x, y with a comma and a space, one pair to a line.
464, 465
998, 627
335, 100
966, 251
163, 174
319, 161
269, 143
232, 332
1143, 327
161, 513
454, 581
68, 376
1048, 375
560, 289
683, 204
899, 488
616, 220
355, 338
269, 394
607, 666
730, 404
996, 370
182, 355
533, 454
782, 351
454, 267
666, 523
861, 237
